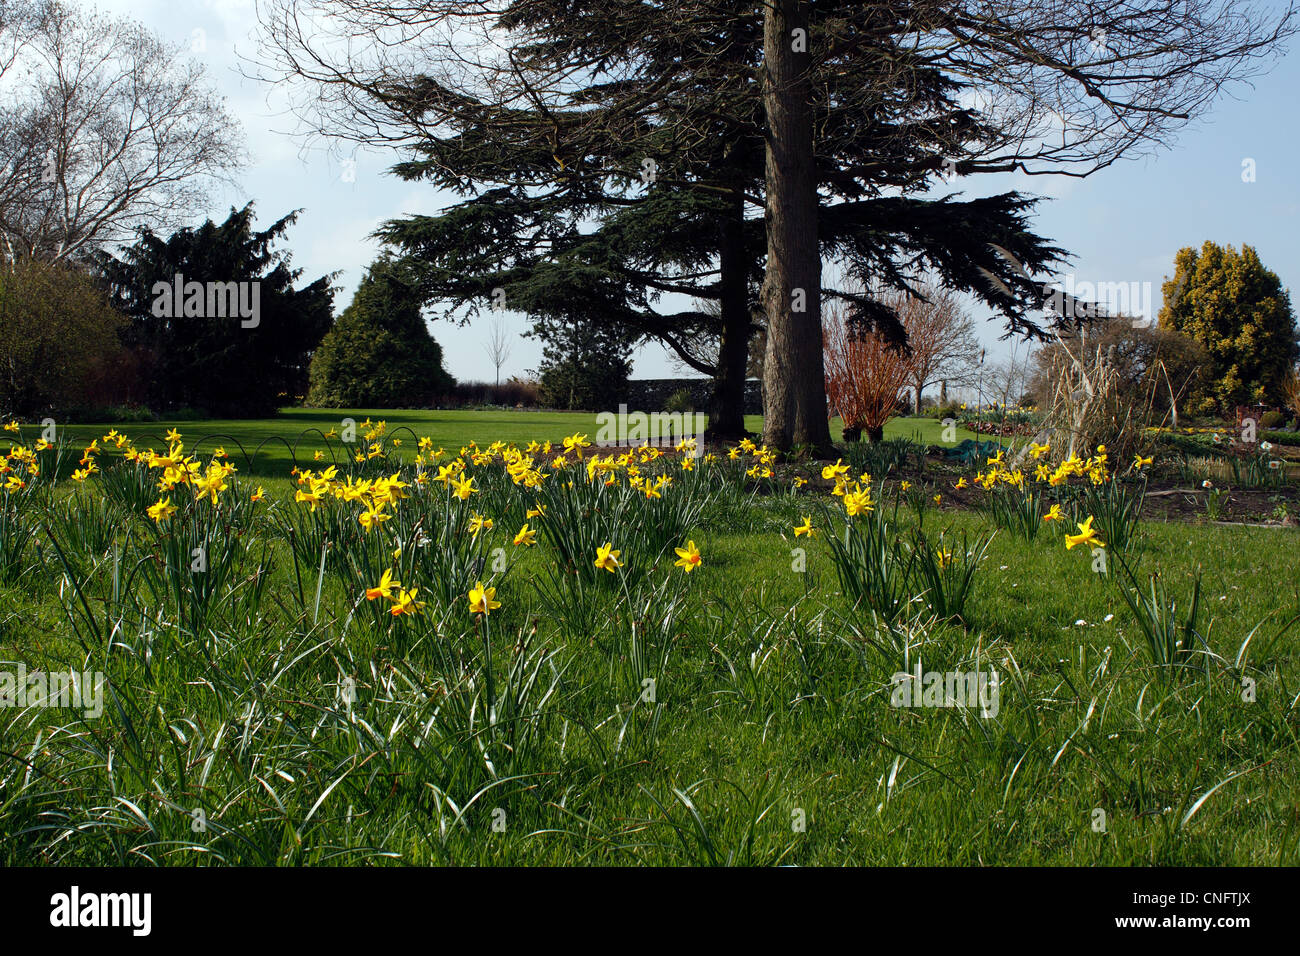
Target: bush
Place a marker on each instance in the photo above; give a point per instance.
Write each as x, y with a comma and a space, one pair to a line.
1272, 420
679, 401
515, 393
118, 414
379, 354
1281, 437
58, 333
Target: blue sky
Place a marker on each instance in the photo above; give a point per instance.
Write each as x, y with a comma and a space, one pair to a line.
1124, 224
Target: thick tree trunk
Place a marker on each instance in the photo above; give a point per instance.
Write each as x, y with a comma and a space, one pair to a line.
727, 402
794, 383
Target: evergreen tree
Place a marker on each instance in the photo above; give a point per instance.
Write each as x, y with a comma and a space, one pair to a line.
1240, 314
676, 189
856, 107
585, 362
379, 353
224, 365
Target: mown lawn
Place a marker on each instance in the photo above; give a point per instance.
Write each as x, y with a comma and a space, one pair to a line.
766, 732
269, 447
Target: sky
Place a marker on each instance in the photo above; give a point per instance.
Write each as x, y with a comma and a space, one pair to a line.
1122, 225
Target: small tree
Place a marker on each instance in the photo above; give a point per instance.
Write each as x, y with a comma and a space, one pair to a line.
941, 338
585, 363
498, 345
1239, 312
865, 373
57, 332
379, 354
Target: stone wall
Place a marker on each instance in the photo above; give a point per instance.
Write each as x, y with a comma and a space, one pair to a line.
652, 394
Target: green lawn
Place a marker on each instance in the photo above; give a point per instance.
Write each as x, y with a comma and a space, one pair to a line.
269, 446
740, 713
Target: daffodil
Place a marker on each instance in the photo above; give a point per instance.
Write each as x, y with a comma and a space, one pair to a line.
1054, 514
858, 502
373, 517
1087, 536
482, 600
385, 587
526, 536
405, 603
688, 558
832, 471
607, 558
805, 528
161, 510
463, 488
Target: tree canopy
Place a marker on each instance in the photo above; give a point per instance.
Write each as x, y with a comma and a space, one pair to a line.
222, 364
829, 118
379, 353
1238, 312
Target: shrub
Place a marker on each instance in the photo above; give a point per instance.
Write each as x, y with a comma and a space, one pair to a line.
515, 393
865, 374
1272, 420
57, 331
679, 401
379, 354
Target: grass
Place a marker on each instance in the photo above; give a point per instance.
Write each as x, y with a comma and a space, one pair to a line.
739, 714
269, 447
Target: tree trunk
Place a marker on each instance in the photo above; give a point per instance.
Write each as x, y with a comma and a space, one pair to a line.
727, 401
794, 381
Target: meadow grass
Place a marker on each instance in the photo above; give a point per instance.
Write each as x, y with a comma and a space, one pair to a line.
738, 714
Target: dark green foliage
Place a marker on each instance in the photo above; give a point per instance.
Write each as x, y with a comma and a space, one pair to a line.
674, 181
57, 336
379, 353
222, 365
585, 363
